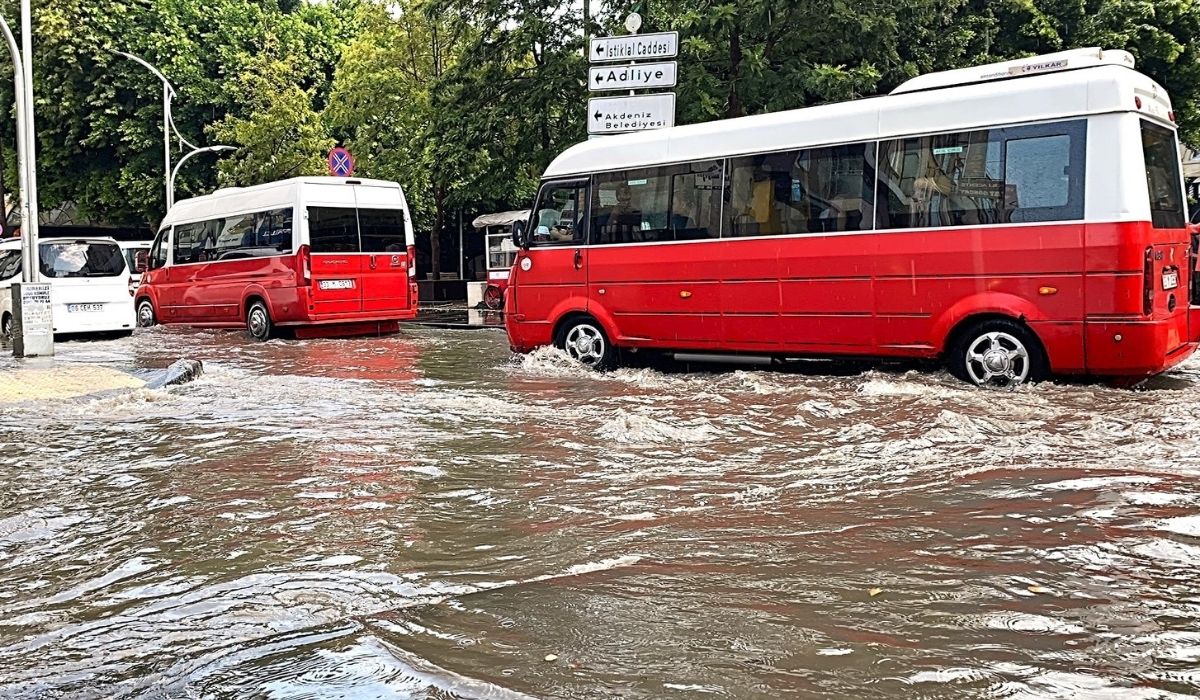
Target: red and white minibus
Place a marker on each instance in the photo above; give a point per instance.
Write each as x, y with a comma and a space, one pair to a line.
318, 254
1014, 219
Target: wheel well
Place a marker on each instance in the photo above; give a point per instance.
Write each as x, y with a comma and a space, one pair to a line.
967, 323
567, 318
250, 302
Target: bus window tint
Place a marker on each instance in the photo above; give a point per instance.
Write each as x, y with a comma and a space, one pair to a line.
993, 176
382, 230
672, 203
189, 243
158, 251
273, 232
333, 230
558, 217
237, 233
809, 191
1162, 176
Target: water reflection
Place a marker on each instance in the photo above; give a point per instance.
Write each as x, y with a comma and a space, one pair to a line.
423, 516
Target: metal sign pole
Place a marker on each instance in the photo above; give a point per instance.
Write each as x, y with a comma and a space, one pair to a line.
32, 325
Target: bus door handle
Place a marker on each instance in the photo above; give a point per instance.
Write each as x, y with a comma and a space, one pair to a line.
578, 259
372, 262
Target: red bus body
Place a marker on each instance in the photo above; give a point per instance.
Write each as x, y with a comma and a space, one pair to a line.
344, 291
1094, 290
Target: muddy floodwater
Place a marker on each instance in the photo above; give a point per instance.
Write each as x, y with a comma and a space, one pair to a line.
424, 516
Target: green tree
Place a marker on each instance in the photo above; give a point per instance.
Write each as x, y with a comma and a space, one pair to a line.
281, 136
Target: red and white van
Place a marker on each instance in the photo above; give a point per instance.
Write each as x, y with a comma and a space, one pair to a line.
321, 255
1015, 220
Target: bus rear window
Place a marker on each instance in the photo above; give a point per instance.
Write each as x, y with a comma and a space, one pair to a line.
344, 230
1163, 179
81, 259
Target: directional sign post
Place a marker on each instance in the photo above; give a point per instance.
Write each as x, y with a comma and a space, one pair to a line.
341, 163
617, 115
638, 76
638, 47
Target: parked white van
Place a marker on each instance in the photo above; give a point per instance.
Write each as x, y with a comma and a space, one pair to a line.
89, 284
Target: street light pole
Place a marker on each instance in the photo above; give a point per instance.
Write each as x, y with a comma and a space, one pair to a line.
31, 325
22, 162
169, 127
189, 154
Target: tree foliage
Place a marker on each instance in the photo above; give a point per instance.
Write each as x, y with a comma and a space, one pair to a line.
465, 102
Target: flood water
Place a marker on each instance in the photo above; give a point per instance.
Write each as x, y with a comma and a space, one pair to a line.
426, 516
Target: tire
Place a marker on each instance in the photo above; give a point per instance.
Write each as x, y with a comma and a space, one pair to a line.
258, 321
998, 354
146, 317
585, 342
493, 298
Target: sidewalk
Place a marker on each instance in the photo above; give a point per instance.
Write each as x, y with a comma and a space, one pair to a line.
41, 379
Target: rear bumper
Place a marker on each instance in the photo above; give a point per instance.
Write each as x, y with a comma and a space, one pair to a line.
524, 336
1136, 348
116, 316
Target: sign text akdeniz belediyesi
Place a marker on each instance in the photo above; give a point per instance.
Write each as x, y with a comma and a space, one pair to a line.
631, 121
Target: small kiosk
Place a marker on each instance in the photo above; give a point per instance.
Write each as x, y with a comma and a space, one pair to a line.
500, 253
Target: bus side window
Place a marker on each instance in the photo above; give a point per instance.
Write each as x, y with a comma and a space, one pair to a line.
559, 216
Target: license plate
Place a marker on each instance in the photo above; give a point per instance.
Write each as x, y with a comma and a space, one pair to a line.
1170, 279
84, 308
337, 284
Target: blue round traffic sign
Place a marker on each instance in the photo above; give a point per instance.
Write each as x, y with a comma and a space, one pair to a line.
341, 163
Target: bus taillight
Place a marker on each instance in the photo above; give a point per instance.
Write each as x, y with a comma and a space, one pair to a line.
1148, 283
305, 266
412, 261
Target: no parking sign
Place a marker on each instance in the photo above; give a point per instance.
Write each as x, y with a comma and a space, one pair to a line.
341, 163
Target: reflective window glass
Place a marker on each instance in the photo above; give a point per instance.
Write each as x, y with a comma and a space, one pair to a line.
382, 230
333, 230
558, 218
671, 203
806, 191
990, 176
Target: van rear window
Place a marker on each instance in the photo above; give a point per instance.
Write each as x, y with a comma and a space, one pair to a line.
342, 230
1163, 179
81, 259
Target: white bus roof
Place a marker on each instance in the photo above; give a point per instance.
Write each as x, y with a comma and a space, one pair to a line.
231, 200
1059, 86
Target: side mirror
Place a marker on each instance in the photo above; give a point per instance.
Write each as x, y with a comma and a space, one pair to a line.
141, 261
518, 235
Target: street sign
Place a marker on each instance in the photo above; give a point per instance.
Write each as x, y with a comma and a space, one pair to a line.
617, 115
636, 77
638, 47
341, 163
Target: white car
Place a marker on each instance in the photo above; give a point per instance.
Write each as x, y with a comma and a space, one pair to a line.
89, 284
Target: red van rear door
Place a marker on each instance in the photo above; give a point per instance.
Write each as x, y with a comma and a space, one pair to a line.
335, 260
385, 261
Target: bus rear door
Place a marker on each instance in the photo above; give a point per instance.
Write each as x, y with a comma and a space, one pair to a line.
336, 265
384, 272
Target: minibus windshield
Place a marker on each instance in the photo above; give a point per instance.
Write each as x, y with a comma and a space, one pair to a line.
80, 259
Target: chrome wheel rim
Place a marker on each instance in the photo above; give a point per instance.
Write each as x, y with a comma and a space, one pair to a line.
998, 360
586, 344
145, 315
257, 322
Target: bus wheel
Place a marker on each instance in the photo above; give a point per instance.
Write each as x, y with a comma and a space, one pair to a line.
584, 341
145, 314
258, 321
999, 354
